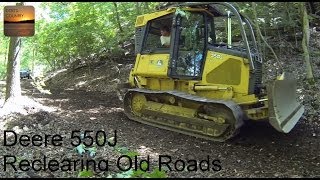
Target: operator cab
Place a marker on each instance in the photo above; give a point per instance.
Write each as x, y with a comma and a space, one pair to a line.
198, 29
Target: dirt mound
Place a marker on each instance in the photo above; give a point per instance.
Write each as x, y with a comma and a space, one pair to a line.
101, 76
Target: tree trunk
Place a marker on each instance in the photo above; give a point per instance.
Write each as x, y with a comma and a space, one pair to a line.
305, 42
33, 60
279, 38
13, 88
138, 8
117, 16
259, 44
312, 8
6, 52
287, 4
146, 7
265, 35
260, 34
50, 63
54, 65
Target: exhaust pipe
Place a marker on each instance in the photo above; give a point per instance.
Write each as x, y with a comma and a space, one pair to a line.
284, 109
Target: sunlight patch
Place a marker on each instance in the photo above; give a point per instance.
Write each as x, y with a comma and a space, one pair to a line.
144, 151
299, 90
110, 110
301, 97
62, 100
81, 83
101, 77
69, 89
52, 75
1, 102
94, 110
23, 105
81, 77
44, 100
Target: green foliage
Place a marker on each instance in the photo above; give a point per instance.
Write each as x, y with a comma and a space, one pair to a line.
81, 149
273, 15
122, 150
85, 173
140, 173
183, 13
132, 154
75, 30
3, 53
126, 174
69, 31
3, 71
92, 151
157, 174
83, 29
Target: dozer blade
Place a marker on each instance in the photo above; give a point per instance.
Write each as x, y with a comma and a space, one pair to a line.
284, 109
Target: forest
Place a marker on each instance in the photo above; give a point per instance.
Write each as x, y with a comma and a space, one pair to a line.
63, 101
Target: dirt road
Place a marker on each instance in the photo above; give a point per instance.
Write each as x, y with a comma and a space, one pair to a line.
258, 151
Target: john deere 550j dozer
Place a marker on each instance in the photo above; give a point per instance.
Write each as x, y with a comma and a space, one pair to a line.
209, 80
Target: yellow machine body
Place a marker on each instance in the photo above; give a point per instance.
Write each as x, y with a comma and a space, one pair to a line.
216, 83
224, 78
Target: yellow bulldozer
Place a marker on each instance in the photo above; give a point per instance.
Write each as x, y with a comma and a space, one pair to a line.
208, 81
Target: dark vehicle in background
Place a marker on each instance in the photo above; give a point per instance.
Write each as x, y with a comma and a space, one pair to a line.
25, 74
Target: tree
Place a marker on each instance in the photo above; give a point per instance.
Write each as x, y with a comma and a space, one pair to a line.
117, 16
305, 42
13, 88
260, 34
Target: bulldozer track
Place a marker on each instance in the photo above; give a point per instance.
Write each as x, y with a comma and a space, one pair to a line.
161, 121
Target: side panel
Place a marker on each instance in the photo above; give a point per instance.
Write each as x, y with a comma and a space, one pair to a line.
152, 65
226, 70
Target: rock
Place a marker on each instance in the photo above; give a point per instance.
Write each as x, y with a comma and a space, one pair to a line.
17, 130
295, 176
25, 128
